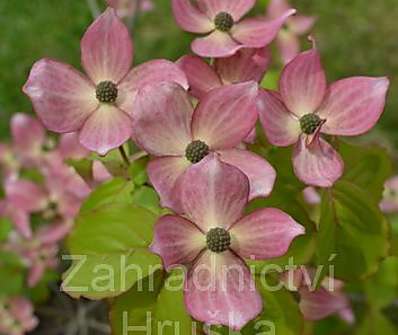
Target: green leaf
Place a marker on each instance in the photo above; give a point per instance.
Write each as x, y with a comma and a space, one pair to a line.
367, 167
5, 228
137, 171
109, 244
11, 274
148, 198
382, 288
156, 307
376, 324
114, 191
352, 232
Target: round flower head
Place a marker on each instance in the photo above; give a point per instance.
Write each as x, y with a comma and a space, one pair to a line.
288, 38
306, 107
99, 107
179, 136
222, 21
214, 237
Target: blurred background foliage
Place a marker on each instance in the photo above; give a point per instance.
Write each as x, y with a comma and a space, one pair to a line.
356, 37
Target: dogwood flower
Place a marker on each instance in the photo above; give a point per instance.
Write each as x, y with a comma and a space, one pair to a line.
28, 139
179, 136
221, 20
305, 107
213, 239
288, 37
129, 8
317, 304
16, 316
99, 107
245, 65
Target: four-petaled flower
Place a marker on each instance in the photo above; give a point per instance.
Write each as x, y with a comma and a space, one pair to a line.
288, 38
221, 19
167, 126
306, 107
99, 107
213, 238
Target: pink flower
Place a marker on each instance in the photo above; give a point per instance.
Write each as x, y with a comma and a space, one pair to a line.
9, 162
16, 316
288, 39
245, 65
99, 107
213, 239
221, 20
317, 304
29, 137
389, 204
311, 196
69, 147
179, 136
129, 8
306, 107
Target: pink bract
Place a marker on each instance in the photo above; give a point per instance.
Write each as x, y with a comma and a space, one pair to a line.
99, 107
245, 65
178, 136
219, 288
222, 21
288, 39
307, 107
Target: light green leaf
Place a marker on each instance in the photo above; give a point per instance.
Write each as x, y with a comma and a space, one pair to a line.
109, 244
353, 232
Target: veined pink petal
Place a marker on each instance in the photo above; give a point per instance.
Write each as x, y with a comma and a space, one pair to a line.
245, 65
201, 76
100, 172
20, 220
259, 32
301, 24
264, 234
353, 106
277, 7
236, 8
107, 50
70, 147
177, 241
163, 173
321, 303
27, 132
106, 129
191, 18
303, 83
226, 115
62, 97
288, 45
220, 290
217, 44
213, 194
25, 195
317, 164
281, 127
260, 173
153, 72
162, 120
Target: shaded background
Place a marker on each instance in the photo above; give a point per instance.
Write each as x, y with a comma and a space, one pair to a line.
356, 37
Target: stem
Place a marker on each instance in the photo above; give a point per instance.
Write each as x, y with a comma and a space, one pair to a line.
124, 155
94, 9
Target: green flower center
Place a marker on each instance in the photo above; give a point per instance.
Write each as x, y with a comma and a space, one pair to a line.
218, 240
224, 21
196, 151
309, 123
106, 91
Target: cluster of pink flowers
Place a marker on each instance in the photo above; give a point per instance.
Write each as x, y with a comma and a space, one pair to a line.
194, 118
42, 197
